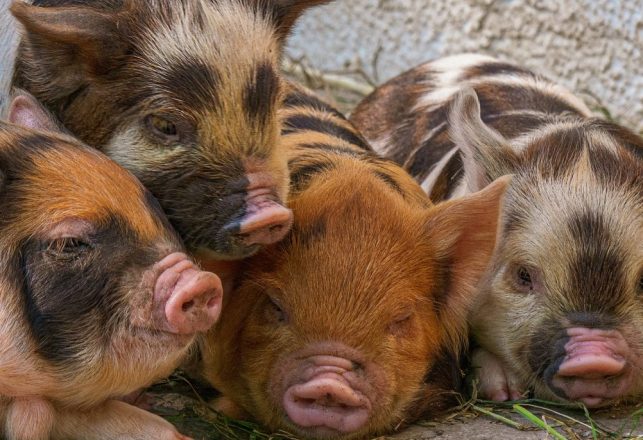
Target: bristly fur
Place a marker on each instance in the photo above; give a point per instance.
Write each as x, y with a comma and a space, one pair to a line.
209, 68
366, 247
573, 215
68, 343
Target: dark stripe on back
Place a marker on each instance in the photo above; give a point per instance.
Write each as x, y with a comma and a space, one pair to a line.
449, 178
390, 181
298, 99
298, 123
300, 175
500, 98
495, 68
332, 149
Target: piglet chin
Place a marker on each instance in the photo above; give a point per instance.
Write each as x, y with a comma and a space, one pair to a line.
327, 401
187, 300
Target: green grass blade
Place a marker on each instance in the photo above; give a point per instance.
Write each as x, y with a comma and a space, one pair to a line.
498, 417
538, 422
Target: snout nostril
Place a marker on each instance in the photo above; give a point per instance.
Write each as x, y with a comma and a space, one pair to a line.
356, 366
187, 306
276, 228
212, 302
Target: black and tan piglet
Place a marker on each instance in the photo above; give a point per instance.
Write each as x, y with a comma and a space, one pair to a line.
182, 94
97, 298
561, 309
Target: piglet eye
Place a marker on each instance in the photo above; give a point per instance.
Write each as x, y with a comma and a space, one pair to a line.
524, 277
400, 325
68, 247
162, 127
641, 284
275, 312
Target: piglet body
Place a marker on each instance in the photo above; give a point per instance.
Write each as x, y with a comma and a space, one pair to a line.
97, 297
354, 323
560, 310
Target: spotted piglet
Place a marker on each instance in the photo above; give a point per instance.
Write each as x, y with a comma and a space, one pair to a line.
353, 325
182, 94
97, 298
561, 310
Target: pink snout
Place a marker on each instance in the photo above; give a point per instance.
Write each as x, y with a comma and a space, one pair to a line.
266, 221
595, 367
187, 300
327, 399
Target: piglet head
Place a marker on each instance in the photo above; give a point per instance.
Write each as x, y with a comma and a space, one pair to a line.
354, 323
109, 296
561, 306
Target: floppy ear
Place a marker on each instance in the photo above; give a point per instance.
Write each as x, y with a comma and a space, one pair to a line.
71, 41
26, 111
463, 232
486, 154
286, 13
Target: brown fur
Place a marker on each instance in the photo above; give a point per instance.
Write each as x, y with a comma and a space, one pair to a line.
572, 217
370, 264
67, 345
109, 69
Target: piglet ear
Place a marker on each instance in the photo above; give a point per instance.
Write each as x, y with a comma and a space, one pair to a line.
463, 233
26, 111
77, 37
486, 153
286, 13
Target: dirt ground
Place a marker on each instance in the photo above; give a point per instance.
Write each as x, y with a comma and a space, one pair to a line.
185, 404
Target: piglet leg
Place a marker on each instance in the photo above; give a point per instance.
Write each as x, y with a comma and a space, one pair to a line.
495, 381
113, 420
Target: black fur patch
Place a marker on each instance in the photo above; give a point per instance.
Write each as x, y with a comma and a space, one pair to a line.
261, 93
71, 297
192, 82
597, 276
300, 176
333, 149
495, 68
390, 181
298, 123
298, 99
547, 349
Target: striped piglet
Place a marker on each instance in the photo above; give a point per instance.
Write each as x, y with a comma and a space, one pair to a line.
561, 308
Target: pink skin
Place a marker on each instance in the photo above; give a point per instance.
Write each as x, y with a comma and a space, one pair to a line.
495, 382
330, 393
595, 368
266, 221
187, 300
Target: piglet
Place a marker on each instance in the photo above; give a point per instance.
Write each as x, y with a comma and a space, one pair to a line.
353, 325
560, 312
97, 297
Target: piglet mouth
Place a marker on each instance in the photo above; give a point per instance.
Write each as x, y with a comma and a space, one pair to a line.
326, 398
327, 401
594, 369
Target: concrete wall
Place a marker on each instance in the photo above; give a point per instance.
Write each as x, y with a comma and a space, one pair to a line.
594, 47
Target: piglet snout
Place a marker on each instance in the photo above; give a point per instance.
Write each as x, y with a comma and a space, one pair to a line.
327, 399
266, 220
594, 369
186, 299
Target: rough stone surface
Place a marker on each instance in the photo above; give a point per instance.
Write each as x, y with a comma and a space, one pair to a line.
594, 47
